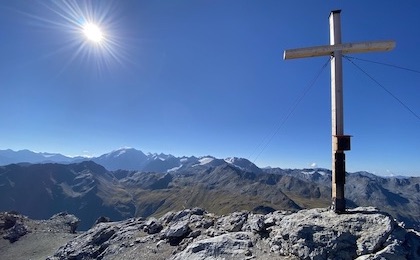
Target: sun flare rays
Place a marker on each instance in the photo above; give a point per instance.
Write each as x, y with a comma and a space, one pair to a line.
87, 31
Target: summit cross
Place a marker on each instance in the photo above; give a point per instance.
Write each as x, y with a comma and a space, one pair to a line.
340, 142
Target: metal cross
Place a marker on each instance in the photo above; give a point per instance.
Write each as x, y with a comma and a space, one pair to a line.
340, 142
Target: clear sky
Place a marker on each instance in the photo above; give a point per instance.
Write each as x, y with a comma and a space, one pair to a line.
206, 77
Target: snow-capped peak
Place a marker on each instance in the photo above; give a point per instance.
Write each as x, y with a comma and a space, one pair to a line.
118, 152
205, 160
231, 160
308, 173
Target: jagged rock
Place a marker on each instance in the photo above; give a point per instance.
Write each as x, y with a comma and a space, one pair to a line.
34, 239
102, 219
204, 223
14, 233
102, 235
181, 215
274, 218
321, 234
66, 221
89, 245
233, 222
12, 226
231, 246
255, 223
399, 244
152, 226
167, 217
177, 231
7, 220
362, 233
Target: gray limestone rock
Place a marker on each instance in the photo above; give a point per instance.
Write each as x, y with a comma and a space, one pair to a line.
180, 229
14, 233
13, 225
227, 246
65, 221
152, 226
89, 245
322, 234
175, 233
362, 233
233, 222
7, 220
255, 223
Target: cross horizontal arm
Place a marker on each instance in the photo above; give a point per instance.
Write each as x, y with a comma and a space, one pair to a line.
344, 48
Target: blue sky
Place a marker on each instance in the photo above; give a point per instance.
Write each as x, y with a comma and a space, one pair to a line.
207, 78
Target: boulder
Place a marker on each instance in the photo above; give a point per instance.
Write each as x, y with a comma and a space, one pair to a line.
322, 234
7, 220
65, 221
175, 233
152, 226
255, 223
226, 246
233, 222
90, 245
14, 233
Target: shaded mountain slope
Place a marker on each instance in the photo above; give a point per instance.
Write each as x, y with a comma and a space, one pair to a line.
84, 189
222, 189
88, 190
398, 196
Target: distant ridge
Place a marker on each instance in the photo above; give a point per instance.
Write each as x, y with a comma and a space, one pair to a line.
9, 156
167, 183
125, 158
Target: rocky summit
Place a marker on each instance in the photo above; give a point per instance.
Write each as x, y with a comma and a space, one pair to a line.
24, 238
360, 233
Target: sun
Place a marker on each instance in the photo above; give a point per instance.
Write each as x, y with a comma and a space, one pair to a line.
93, 32
89, 32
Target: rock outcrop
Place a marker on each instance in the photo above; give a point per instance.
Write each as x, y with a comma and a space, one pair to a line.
25, 238
14, 225
65, 221
361, 233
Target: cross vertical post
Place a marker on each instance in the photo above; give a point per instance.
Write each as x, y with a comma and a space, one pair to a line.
340, 141
337, 115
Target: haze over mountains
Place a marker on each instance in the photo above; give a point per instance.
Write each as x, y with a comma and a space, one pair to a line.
127, 182
9, 156
122, 159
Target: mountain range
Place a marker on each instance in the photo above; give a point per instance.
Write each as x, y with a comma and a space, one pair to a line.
9, 156
127, 183
123, 159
